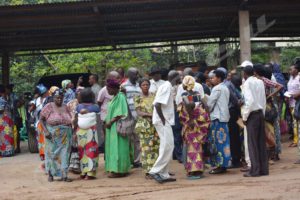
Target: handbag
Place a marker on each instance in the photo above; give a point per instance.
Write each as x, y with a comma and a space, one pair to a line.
297, 110
271, 113
126, 125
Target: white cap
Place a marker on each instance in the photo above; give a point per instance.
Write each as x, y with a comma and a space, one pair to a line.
246, 63
211, 74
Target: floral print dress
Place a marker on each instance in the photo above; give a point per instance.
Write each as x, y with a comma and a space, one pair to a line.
195, 130
149, 139
6, 136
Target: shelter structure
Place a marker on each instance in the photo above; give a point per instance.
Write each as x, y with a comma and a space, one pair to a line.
117, 22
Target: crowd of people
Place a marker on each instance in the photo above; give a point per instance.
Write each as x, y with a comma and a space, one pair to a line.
208, 119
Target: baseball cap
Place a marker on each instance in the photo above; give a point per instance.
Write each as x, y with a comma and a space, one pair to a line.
246, 63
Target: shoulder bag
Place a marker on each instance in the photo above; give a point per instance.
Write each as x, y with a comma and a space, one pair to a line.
126, 126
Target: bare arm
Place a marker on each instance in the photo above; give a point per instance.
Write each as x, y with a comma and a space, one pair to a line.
143, 114
278, 87
43, 123
159, 112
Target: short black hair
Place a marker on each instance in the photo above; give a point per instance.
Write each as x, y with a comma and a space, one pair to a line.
249, 71
87, 96
297, 65
220, 74
259, 69
268, 73
143, 80
202, 66
95, 76
236, 80
201, 77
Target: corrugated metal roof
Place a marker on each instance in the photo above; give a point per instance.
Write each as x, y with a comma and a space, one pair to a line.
114, 22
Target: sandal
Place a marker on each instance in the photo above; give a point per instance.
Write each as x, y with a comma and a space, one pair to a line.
66, 179
89, 178
50, 179
293, 145
82, 177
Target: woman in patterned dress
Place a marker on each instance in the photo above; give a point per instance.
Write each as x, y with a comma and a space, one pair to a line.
56, 121
149, 140
195, 122
86, 132
6, 130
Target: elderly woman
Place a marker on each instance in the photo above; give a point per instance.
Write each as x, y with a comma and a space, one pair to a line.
87, 137
6, 130
195, 121
218, 136
56, 121
149, 140
69, 94
117, 154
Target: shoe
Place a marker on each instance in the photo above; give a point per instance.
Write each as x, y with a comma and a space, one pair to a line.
250, 175
169, 180
157, 178
66, 179
136, 165
217, 171
245, 169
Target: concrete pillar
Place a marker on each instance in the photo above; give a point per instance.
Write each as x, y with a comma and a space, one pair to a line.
245, 43
5, 68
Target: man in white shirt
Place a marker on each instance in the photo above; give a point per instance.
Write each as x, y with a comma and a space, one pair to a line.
156, 80
253, 117
163, 119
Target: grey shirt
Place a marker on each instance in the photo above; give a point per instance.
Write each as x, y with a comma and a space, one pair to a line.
218, 103
96, 88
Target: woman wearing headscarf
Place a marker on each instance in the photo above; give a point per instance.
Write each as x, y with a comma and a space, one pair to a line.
56, 121
69, 94
86, 133
195, 122
117, 153
6, 130
149, 139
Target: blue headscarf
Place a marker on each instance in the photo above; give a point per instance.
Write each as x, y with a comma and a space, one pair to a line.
279, 77
3, 103
42, 89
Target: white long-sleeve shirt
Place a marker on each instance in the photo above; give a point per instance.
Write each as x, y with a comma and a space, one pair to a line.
254, 94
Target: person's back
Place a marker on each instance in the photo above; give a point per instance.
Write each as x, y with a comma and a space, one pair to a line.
254, 94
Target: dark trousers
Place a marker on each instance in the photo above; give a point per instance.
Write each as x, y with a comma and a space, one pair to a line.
257, 144
235, 140
177, 153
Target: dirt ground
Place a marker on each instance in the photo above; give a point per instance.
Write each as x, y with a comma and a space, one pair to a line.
21, 178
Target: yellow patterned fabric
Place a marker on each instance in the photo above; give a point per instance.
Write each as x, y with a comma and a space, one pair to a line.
149, 140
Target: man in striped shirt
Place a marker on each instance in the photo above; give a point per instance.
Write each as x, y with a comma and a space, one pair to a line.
132, 89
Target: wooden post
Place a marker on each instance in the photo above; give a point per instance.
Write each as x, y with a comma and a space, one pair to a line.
222, 53
245, 43
5, 68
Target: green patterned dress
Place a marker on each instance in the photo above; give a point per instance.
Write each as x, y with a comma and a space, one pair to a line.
149, 139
